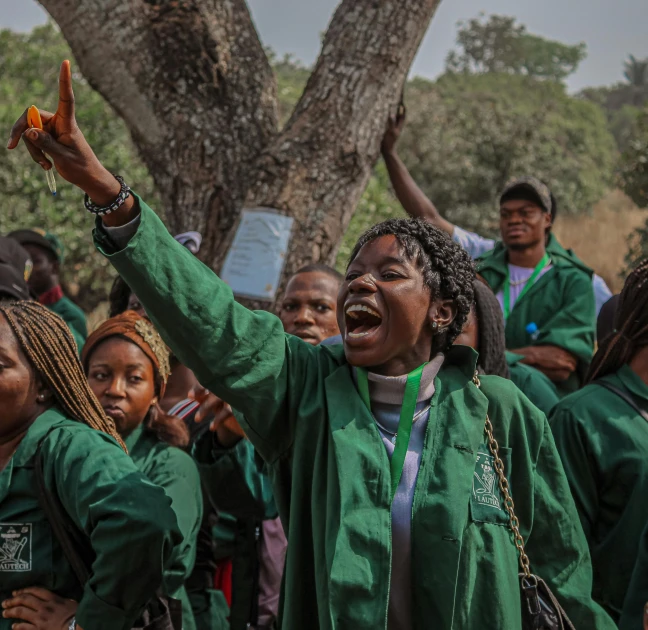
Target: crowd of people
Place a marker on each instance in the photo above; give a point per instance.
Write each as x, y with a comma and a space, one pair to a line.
440, 437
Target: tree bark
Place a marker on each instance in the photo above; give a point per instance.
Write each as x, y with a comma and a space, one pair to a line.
194, 86
191, 81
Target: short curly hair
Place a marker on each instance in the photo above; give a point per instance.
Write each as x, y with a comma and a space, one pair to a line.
447, 268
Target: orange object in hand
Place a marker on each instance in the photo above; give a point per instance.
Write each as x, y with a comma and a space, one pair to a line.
34, 118
35, 121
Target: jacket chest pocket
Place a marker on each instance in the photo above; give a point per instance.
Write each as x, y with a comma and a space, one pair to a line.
486, 499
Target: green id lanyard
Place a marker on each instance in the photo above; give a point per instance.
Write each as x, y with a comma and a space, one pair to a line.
404, 423
506, 289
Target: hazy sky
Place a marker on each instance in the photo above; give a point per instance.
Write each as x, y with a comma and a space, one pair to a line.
612, 29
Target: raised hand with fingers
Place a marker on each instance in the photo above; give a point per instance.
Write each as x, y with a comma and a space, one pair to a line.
223, 423
62, 140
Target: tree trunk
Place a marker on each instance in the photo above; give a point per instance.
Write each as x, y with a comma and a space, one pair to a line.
191, 81
317, 168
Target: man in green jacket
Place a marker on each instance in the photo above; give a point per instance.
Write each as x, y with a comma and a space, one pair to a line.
547, 294
335, 478
47, 255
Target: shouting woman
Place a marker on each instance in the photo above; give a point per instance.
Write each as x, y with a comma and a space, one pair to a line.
382, 467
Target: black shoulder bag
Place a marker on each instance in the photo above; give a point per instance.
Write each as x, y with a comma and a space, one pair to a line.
540, 608
161, 613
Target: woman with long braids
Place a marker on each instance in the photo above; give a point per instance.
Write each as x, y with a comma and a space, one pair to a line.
380, 450
49, 412
127, 365
602, 436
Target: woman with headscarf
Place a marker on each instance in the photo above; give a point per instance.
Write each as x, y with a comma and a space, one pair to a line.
127, 365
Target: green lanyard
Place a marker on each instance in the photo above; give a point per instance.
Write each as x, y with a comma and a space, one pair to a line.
506, 289
404, 423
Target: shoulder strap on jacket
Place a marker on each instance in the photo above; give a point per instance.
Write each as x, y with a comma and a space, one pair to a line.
626, 397
67, 534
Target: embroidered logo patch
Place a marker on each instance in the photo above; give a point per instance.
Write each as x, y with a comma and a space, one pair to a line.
485, 483
486, 500
15, 547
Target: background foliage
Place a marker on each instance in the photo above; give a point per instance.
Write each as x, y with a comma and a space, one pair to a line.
29, 70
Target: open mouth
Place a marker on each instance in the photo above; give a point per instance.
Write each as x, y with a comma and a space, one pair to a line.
361, 321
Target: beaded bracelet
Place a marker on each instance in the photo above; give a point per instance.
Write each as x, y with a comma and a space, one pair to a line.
124, 194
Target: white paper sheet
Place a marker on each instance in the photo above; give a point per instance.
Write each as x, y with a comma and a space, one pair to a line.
256, 258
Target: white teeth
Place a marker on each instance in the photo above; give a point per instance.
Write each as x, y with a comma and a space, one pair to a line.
356, 335
361, 307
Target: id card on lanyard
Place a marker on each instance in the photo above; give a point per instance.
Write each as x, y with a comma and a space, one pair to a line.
404, 423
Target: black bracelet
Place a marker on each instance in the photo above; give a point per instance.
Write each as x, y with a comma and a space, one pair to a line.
124, 194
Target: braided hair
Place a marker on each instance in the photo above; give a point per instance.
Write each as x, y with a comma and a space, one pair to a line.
630, 326
448, 271
49, 346
492, 344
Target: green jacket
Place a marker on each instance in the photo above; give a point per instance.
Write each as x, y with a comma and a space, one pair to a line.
176, 472
637, 595
74, 317
603, 443
534, 384
239, 486
561, 304
129, 521
235, 478
330, 468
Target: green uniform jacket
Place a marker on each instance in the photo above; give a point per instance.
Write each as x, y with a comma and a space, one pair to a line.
561, 303
533, 383
603, 443
176, 472
129, 521
637, 596
330, 468
74, 317
239, 486
235, 481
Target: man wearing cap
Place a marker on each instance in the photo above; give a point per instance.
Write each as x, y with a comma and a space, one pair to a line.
546, 292
15, 268
46, 253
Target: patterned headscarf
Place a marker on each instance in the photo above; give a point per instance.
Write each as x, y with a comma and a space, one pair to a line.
141, 332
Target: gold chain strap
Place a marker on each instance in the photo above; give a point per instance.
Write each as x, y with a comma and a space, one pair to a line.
514, 523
